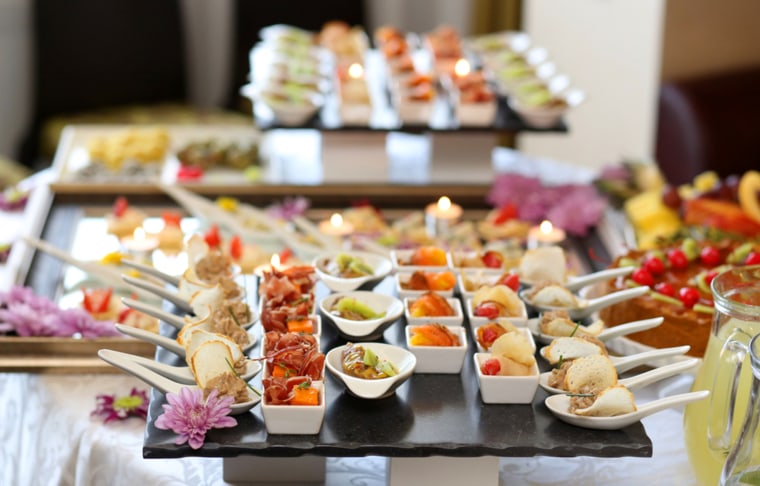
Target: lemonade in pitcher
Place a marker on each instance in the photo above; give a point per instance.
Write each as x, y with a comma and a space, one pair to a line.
737, 305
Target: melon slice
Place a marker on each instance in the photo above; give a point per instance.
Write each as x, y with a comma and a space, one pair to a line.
748, 192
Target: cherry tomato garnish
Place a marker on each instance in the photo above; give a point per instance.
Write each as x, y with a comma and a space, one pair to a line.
689, 296
642, 277
710, 256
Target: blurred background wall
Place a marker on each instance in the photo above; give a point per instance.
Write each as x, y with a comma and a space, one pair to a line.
616, 50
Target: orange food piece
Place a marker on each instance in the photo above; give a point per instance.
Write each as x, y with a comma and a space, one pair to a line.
488, 333
280, 370
305, 395
724, 215
433, 335
440, 280
430, 305
305, 326
429, 256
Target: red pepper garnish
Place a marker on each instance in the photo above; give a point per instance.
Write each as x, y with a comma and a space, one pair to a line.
236, 247
212, 237
96, 300
189, 173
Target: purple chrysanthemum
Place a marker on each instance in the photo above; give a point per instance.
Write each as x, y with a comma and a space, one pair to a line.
13, 199
111, 407
190, 416
572, 207
80, 322
289, 208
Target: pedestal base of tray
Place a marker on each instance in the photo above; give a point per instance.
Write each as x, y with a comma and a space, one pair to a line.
279, 471
443, 471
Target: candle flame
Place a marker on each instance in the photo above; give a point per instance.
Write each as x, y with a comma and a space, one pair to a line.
355, 71
462, 67
546, 227
336, 220
139, 234
444, 203
275, 261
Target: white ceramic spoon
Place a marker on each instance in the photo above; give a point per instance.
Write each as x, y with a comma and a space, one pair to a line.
636, 381
625, 363
160, 291
574, 284
587, 307
559, 405
605, 335
148, 270
167, 343
164, 384
171, 319
183, 374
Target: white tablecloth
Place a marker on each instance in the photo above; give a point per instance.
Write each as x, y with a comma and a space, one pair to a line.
47, 437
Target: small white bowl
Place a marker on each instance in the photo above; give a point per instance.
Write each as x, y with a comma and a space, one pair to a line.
295, 419
476, 114
520, 320
455, 320
505, 389
400, 257
458, 258
370, 329
381, 267
522, 330
477, 277
538, 117
404, 361
403, 278
439, 359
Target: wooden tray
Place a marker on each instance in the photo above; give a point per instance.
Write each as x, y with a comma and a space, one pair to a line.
65, 355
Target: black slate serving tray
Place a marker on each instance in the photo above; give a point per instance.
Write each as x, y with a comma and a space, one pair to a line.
428, 415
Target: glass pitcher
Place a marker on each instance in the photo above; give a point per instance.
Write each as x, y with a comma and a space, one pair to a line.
710, 426
743, 461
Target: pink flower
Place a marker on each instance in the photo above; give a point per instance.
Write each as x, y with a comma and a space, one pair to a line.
289, 208
110, 408
190, 416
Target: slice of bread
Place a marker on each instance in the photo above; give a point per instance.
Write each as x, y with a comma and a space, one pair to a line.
209, 361
554, 296
615, 400
590, 374
200, 336
567, 348
543, 264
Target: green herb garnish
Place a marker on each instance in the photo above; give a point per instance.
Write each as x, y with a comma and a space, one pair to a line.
234, 317
575, 329
580, 394
238, 375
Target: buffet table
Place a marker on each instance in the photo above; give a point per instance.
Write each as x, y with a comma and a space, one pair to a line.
50, 438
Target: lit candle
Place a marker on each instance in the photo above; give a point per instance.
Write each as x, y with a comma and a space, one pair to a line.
441, 216
336, 226
462, 68
274, 264
355, 71
139, 244
545, 234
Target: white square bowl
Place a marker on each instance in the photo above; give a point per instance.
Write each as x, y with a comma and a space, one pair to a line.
400, 257
477, 278
295, 419
439, 359
520, 320
403, 277
456, 320
505, 389
472, 260
522, 330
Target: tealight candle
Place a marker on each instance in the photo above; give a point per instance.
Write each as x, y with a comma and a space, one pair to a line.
335, 226
441, 216
139, 244
545, 234
274, 264
356, 71
462, 68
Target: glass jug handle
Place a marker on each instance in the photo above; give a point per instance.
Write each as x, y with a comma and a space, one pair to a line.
730, 362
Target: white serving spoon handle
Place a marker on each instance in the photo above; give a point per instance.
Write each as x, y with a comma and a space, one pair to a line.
658, 374
148, 270
576, 283
150, 310
607, 300
160, 292
670, 402
630, 327
153, 338
626, 363
180, 374
328, 242
150, 377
